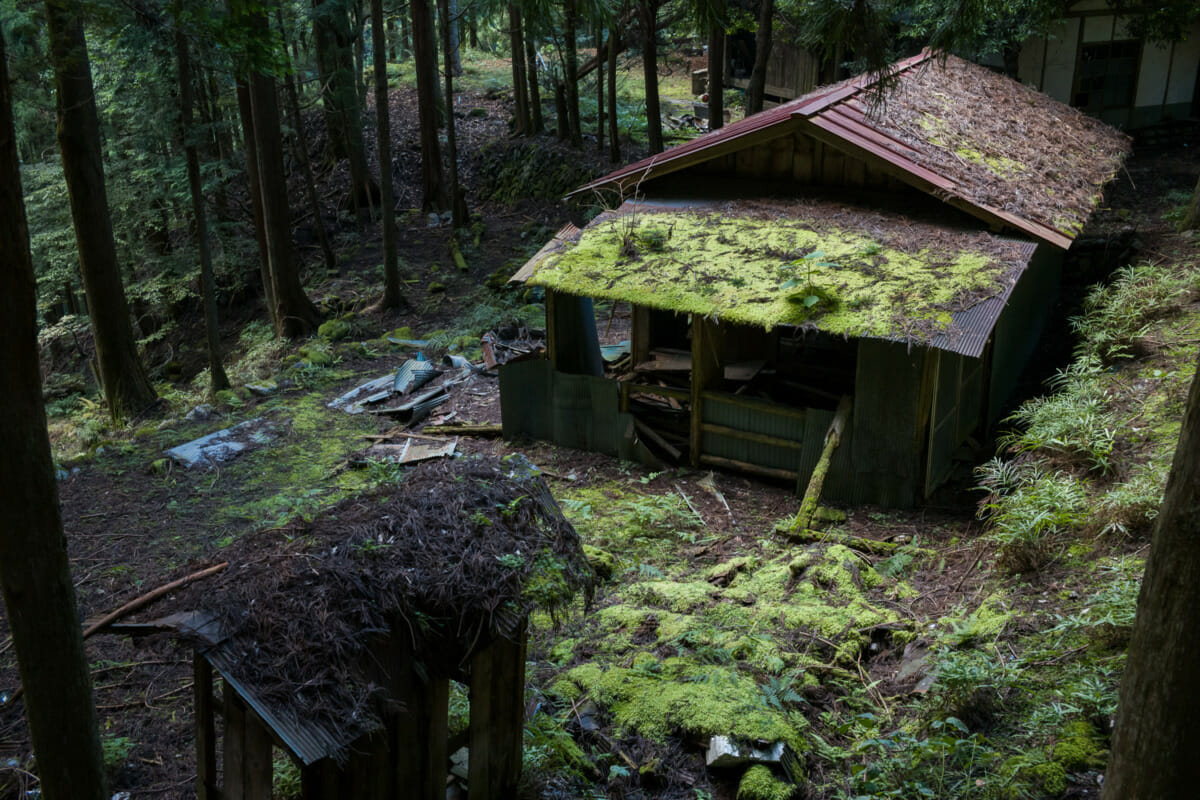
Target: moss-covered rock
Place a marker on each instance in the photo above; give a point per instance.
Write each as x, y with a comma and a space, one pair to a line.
678, 694
759, 783
1078, 748
334, 330
602, 561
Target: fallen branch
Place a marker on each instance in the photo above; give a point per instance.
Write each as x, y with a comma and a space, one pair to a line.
808, 506
138, 603
148, 598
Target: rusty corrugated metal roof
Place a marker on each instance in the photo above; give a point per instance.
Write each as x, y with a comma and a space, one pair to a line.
841, 116
972, 327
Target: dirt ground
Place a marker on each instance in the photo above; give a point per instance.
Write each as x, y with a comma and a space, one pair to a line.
129, 530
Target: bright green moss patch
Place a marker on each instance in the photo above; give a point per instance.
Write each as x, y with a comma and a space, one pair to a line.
1079, 748
676, 695
786, 265
759, 783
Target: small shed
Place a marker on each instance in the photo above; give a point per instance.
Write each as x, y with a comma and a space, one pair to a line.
903, 250
335, 640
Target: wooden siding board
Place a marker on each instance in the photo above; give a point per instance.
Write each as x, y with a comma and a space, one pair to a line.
887, 423
1020, 325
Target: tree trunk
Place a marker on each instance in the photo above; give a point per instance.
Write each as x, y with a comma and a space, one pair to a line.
614, 140
535, 94
127, 389
392, 296
433, 186
393, 44
292, 314
35, 575
218, 379
1157, 734
1191, 220
654, 132
300, 148
334, 38
600, 110
452, 19
716, 68
255, 189
458, 205
571, 72
522, 125
763, 40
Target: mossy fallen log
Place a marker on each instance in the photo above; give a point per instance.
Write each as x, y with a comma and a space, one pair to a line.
812, 495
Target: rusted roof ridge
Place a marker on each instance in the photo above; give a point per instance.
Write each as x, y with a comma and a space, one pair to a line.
841, 131
818, 104
857, 118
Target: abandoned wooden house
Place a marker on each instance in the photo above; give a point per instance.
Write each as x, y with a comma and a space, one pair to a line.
336, 641
1095, 59
905, 253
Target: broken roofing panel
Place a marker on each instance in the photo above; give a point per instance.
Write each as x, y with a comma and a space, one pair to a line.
820, 264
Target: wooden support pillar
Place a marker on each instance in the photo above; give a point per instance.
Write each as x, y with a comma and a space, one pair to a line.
419, 730
247, 752
206, 730
321, 781
639, 334
497, 719
706, 370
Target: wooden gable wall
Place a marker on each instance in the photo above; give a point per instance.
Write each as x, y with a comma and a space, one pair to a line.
797, 157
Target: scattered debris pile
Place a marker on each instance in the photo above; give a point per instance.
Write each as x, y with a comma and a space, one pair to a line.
455, 556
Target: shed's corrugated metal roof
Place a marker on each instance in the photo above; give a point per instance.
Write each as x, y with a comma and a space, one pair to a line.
969, 332
942, 153
307, 740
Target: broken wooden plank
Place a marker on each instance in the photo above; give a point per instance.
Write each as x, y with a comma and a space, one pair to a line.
484, 430
754, 469
645, 430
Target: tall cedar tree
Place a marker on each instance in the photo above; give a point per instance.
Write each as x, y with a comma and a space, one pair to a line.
763, 41
433, 184
648, 11
35, 576
1157, 734
127, 389
458, 204
335, 38
534, 95
521, 120
208, 291
571, 71
715, 23
292, 313
392, 296
614, 46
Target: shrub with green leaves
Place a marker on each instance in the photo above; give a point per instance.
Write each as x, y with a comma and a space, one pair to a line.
1071, 424
1028, 508
1117, 314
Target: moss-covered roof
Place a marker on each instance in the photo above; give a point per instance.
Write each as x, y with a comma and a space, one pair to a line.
835, 267
961, 132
